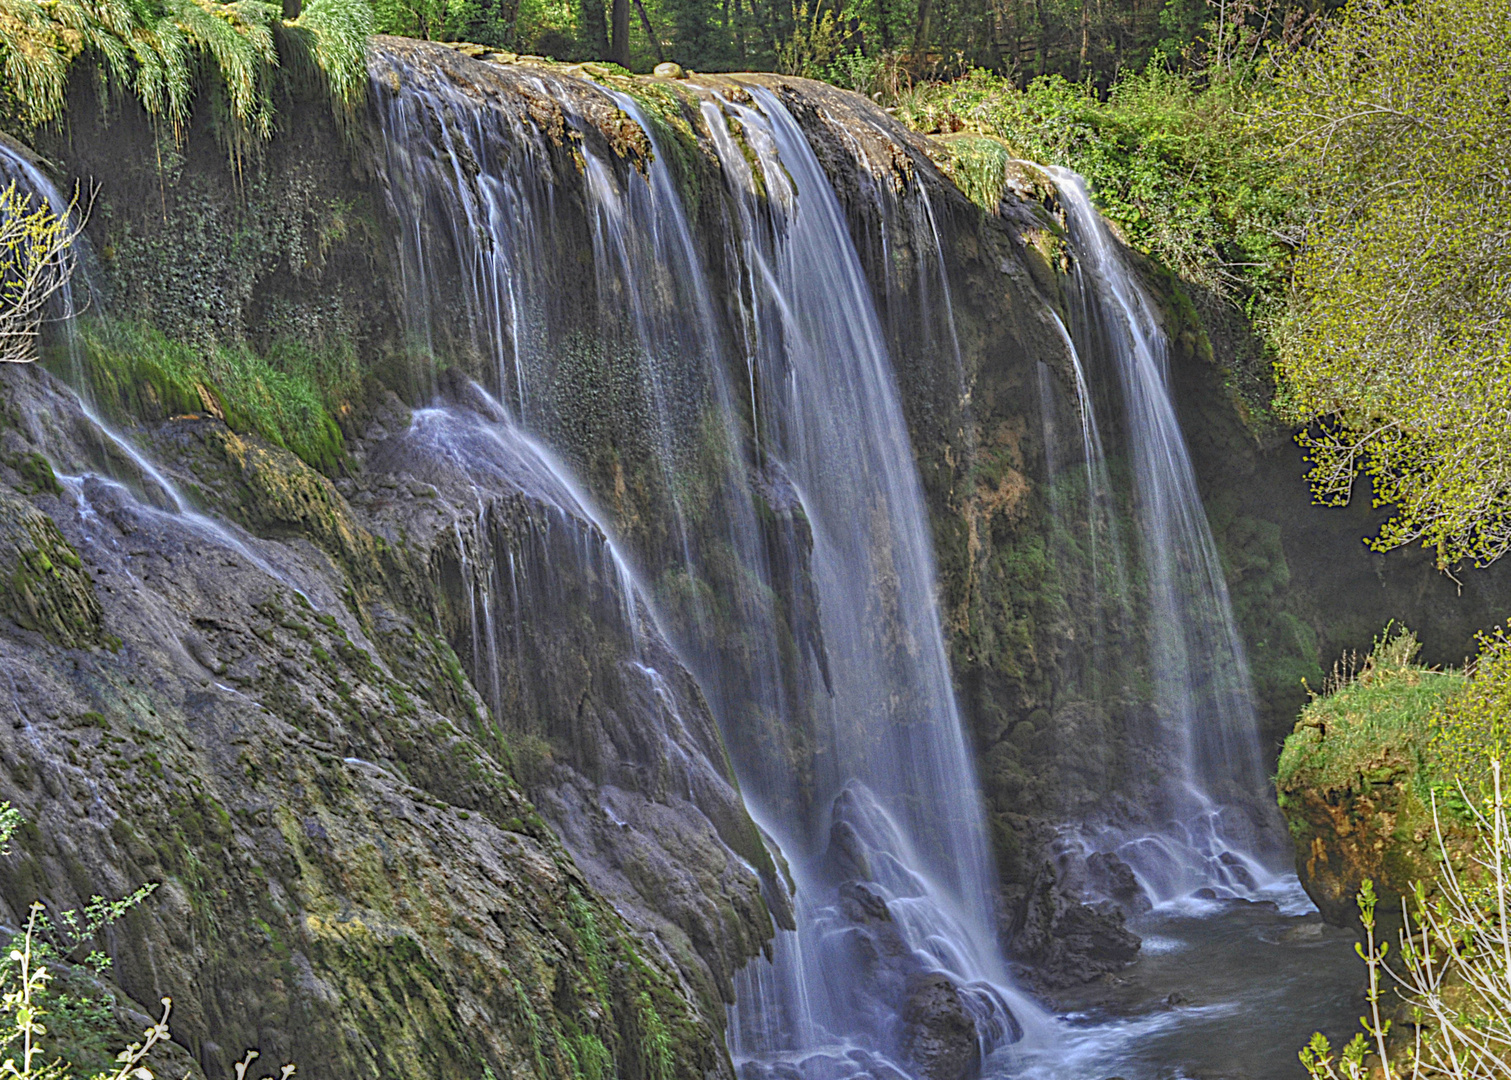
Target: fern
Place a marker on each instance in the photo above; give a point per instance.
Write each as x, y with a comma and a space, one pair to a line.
152, 49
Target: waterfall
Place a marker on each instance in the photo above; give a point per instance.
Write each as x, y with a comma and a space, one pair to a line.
1207, 823
145, 478
777, 517
1101, 551
907, 827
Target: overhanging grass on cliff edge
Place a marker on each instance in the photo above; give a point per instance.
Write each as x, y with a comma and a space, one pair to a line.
1348, 737
154, 50
288, 395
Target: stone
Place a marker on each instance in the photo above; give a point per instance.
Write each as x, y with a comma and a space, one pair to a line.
1114, 879
938, 1034
668, 71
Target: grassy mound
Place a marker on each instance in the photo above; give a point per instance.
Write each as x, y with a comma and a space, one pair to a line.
1364, 717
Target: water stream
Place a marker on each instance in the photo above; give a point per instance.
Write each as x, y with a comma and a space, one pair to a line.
765, 521
1210, 824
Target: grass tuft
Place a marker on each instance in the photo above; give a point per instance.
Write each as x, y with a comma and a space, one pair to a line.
288, 395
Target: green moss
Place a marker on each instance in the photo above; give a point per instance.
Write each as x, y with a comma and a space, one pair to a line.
657, 1060
287, 395
1341, 740
36, 475
43, 586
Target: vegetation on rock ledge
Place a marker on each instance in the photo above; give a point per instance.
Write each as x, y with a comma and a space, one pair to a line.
287, 395
157, 51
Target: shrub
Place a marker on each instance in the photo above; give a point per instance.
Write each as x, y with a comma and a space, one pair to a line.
37, 259
1164, 154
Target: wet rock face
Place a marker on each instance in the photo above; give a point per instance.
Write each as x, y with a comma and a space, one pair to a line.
277, 729
934, 1024
451, 663
1071, 927
938, 1033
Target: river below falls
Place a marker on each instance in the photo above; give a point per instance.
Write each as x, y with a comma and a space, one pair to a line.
1219, 992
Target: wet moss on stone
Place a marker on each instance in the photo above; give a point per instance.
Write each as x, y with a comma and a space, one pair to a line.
46, 588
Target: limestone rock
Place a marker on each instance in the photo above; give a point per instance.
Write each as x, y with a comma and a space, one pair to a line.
939, 1037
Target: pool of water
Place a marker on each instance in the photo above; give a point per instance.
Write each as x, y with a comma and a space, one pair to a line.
1221, 991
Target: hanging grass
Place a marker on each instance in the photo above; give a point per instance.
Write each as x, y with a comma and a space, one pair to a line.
155, 50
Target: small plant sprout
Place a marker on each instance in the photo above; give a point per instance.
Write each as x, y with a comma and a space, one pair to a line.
1317, 1056
245, 1063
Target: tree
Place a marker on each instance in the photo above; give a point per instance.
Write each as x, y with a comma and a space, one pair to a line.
1395, 349
37, 258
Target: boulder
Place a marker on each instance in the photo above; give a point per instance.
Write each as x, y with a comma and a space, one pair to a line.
938, 1034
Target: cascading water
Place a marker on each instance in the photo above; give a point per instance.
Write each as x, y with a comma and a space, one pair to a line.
1207, 825
884, 835
907, 841
1102, 548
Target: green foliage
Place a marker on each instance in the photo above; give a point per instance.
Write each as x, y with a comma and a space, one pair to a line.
287, 395
1389, 701
155, 50
1164, 154
82, 1021
657, 1060
1472, 729
1317, 1056
1392, 137
813, 45
52, 969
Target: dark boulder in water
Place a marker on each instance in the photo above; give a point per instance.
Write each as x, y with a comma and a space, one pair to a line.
938, 1033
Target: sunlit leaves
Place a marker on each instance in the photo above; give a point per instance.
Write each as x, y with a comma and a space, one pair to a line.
36, 261
1397, 344
153, 49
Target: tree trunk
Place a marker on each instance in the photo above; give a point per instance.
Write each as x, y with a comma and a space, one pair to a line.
620, 53
1043, 60
650, 32
1085, 39
594, 28
921, 34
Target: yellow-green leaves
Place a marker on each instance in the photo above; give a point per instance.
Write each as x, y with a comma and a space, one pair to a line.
152, 48
36, 260
1396, 347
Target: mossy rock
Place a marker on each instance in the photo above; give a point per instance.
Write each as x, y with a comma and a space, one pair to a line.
46, 588
1357, 780
273, 492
